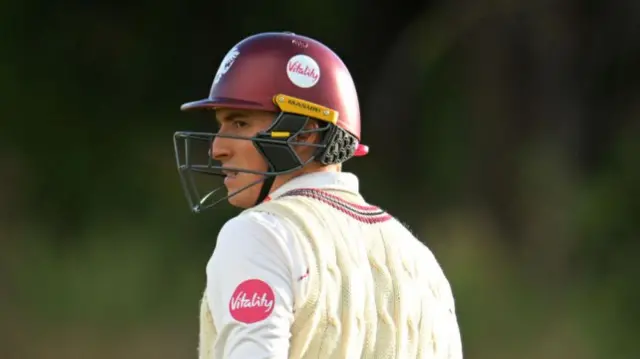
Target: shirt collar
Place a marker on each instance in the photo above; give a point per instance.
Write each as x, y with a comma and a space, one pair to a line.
344, 181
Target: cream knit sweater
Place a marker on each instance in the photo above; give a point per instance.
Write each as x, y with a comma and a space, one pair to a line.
374, 290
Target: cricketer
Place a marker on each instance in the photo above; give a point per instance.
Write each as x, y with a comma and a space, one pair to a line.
309, 268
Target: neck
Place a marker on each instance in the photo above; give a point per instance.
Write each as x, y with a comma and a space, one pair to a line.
311, 168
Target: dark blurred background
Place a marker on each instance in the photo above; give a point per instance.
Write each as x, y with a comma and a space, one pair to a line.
505, 133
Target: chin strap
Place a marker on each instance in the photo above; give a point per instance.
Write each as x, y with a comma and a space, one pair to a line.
265, 189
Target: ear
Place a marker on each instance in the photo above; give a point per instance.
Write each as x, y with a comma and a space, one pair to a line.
305, 152
309, 137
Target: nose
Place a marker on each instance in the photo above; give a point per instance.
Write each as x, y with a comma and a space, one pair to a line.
219, 149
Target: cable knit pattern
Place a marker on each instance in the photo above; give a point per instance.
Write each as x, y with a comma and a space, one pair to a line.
208, 333
374, 290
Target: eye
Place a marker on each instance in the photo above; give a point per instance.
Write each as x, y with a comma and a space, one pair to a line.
239, 124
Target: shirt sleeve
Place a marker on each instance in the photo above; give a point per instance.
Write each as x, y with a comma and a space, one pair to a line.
249, 288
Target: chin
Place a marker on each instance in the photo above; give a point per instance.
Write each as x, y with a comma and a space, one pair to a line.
241, 200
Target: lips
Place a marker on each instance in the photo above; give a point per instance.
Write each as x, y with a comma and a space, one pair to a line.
230, 174
229, 177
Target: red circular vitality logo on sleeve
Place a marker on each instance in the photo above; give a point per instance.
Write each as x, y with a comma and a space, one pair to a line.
252, 301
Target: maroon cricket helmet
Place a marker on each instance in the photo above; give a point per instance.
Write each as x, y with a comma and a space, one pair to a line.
297, 78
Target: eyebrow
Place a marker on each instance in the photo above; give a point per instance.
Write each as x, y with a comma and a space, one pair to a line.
230, 116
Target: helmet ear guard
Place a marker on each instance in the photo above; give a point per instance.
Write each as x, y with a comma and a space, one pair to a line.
336, 145
340, 146
276, 143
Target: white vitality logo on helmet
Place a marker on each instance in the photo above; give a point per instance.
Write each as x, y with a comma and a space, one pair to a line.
303, 71
226, 63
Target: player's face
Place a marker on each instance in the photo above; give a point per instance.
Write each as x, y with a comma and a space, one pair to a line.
240, 153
